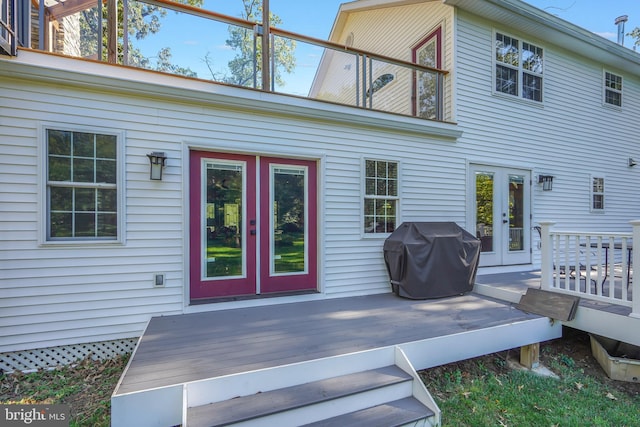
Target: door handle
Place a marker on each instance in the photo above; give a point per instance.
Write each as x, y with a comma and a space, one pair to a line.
252, 232
504, 221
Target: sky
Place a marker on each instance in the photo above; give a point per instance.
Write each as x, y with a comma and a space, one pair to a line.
315, 18
190, 37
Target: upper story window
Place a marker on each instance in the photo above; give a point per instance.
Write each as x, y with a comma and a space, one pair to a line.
597, 193
81, 185
380, 196
518, 68
427, 90
612, 89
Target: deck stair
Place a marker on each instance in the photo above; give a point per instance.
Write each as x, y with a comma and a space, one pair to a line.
390, 394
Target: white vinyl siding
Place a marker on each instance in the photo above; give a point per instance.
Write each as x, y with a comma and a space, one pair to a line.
570, 138
57, 295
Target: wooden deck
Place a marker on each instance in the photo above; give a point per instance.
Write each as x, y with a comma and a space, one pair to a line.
183, 348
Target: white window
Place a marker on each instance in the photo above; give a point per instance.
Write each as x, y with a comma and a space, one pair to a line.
518, 68
380, 196
82, 185
612, 89
597, 194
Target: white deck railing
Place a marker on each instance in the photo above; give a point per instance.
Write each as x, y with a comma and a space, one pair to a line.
592, 265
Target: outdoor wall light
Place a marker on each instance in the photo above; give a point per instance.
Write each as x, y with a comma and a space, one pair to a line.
632, 162
156, 159
546, 181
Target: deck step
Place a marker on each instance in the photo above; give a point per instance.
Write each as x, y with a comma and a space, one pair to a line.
245, 408
393, 414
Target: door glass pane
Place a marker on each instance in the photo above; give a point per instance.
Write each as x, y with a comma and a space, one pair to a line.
288, 224
516, 212
223, 212
484, 210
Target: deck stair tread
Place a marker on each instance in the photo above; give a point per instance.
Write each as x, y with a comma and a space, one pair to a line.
392, 414
258, 405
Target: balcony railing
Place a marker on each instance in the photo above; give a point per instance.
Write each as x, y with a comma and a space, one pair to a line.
593, 265
8, 39
175, 38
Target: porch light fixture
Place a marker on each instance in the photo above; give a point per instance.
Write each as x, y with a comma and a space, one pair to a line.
632, 162
156, 160
546, 181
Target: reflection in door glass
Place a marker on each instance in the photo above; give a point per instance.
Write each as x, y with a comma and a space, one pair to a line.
484, 210
223, 214
288, 226
516, 212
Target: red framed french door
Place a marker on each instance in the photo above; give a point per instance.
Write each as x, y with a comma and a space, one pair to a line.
248, 242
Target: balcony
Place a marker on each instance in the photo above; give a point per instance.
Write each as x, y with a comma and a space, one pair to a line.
192, 42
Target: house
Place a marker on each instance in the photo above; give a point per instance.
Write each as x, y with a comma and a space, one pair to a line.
266, 198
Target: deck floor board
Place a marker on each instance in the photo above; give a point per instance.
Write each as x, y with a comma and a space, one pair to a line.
181, 348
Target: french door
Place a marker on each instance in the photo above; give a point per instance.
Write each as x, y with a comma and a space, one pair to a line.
253, 225
501, 214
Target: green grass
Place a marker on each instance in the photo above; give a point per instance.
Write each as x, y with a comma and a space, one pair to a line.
86, 388
472, 394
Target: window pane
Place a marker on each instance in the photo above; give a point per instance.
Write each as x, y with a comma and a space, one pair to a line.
61, 224
381, 169
107, 225
370, 187
106, 171
598, 185
531, 58
83, 170
613, 98
107, 200
59, 142
85, 224
59, 168
613, 82
61, 199
507, 50
83, 144
370, 168
288, 220
106, 147
381, 187
531, 87
598, 201
393, 188
85, 199
506, 80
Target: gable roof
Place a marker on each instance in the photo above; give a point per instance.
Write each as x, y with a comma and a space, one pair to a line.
528, 19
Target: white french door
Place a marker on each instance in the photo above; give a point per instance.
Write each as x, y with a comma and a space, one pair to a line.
501, 214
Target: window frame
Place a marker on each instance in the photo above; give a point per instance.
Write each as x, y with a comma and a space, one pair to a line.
44, 236
593, 193
434, 36
520, 69
606, 89
365, 197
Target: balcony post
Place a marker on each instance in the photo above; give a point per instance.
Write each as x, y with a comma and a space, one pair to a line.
546, 251
266, 49
635, 262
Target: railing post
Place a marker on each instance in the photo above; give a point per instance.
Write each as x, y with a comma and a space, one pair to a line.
546, 252
635, 262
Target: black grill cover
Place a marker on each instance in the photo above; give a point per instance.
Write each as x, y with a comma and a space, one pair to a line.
431, 259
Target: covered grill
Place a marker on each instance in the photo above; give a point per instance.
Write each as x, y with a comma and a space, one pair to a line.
431, 259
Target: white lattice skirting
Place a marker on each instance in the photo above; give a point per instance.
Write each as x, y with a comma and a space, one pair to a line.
45, 358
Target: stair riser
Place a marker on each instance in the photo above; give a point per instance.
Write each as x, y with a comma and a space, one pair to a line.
203, 392
333, 408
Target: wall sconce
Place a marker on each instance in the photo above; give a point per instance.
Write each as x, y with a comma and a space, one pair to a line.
546, 181
632, 162
156, 159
